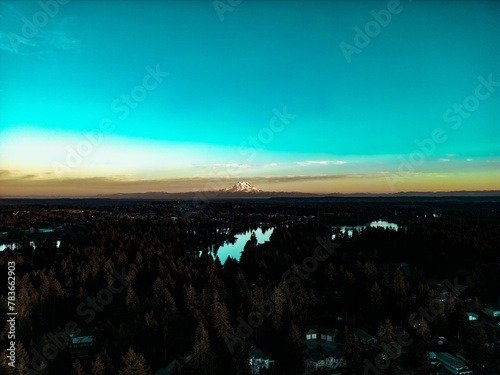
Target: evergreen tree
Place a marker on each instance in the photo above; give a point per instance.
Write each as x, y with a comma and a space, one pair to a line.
97, 367
22, 359
386, 332
375, 303
77, 369
202, 358
134, 364
4, 364
219, 316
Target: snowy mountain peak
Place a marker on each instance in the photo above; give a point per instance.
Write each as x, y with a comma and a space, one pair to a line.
243, 187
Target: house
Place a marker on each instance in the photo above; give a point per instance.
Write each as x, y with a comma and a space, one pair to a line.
81, 342
320, 359
471, 316
321, 354
328, 336
258, 360
84, 340
448, 290
453, 364
311, 335
365, 337
491, 310
321, 334
81, 345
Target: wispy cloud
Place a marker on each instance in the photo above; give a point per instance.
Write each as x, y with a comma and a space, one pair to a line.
303, 178
444, 160
230, 165
45, 41
15, 175
12, 43
321, 162
17, 182
59, 40
410, 174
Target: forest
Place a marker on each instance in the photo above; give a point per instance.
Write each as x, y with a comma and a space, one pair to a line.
141, 280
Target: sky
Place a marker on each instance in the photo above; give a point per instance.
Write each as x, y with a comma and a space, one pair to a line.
100, 97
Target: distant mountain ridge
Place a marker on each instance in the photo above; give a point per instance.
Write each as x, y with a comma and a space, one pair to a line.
244, 189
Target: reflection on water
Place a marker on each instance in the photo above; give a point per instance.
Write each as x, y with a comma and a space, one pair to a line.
374, 224
383, 224
45, 230
234, 250
15, 245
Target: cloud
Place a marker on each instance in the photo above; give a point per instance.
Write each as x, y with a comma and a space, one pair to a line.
61, 41
4, 173
25, 184
230, 165
411, 174
46, 39
469, 159
270, 165
444, 160
14, 175
320, 177
12, 42
321, 162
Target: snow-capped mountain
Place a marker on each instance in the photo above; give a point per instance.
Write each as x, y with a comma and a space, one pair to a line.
242, 187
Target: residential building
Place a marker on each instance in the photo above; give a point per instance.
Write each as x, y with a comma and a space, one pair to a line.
471, 316
453, 364
258, 360
81, 345
321, 354
365, 337
491, 310
318, 334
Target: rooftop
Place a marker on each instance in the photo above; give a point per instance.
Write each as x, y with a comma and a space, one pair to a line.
365, 336
450, 359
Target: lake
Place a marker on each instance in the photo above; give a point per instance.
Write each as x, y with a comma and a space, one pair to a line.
234, 250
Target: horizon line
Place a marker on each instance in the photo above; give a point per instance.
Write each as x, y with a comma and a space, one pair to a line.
455, 193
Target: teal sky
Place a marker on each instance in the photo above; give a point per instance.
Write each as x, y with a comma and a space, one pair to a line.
226, 72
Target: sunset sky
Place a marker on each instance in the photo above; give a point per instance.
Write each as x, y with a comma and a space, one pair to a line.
328, 96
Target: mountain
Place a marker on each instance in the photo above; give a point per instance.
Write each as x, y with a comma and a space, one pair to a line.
246, 190
242, 187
